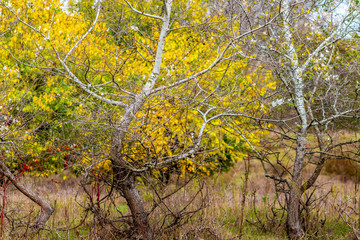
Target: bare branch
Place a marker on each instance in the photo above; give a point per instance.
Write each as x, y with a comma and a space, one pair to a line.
142, 13
87, 32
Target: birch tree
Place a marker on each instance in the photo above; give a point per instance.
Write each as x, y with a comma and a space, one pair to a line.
302, 49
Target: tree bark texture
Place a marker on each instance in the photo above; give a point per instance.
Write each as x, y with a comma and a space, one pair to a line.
295, 230
125, 183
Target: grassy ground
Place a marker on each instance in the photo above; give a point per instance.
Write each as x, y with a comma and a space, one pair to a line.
220, 200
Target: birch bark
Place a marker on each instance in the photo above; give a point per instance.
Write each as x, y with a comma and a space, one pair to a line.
123, 177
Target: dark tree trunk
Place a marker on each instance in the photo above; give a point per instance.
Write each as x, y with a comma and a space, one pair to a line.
125, 183
295, 230
124, 178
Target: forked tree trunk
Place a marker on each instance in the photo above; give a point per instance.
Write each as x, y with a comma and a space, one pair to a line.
123, 177
46, 209
124, 181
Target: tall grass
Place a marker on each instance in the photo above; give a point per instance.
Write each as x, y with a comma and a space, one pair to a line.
213, 214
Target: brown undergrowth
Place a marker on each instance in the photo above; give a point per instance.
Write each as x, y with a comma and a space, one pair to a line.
206, 208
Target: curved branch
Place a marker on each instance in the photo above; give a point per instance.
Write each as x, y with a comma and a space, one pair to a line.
142, 13
87, 33
46, 209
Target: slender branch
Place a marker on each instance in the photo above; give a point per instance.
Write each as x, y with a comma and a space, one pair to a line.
278, 179
335, 155
342, 114
86, 88
87, 33
142, 13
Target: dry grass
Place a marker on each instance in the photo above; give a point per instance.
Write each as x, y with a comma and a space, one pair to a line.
218, 219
